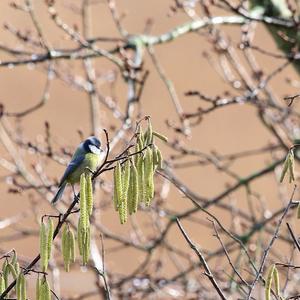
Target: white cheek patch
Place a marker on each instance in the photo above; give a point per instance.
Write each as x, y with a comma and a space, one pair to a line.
94, 149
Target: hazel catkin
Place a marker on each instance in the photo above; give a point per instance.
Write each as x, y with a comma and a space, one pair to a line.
50, 236
43, 247
118, 188
133, 193
89, 194
2, 284
141, 177
21, 287
45, 293
38, 285
83, 205
149, 184
66, 247
269, 283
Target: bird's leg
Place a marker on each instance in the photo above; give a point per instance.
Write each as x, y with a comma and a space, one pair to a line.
74, 193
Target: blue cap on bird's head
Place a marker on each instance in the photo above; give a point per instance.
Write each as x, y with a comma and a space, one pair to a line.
92, 144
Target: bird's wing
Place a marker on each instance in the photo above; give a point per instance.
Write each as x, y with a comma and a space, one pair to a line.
74, 163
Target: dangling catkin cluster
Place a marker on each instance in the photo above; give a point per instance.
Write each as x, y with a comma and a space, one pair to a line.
134, 179
43, 291
86, 208
46, 239
11, 271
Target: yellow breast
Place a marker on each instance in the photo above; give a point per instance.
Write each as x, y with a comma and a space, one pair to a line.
90, 162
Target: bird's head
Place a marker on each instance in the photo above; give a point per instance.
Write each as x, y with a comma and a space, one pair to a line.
92, 145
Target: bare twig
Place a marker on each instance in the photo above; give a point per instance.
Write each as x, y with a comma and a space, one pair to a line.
207, 273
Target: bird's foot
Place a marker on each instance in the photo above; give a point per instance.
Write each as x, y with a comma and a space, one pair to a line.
91, 171
76, 198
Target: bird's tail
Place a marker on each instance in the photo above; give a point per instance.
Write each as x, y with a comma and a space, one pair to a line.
59, 193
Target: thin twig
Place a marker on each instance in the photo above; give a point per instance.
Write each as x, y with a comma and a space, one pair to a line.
207, 273
267, 250
293, 236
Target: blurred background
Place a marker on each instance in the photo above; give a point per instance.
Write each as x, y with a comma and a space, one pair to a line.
56, 102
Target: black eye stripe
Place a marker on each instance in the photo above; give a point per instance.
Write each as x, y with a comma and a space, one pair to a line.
91, 141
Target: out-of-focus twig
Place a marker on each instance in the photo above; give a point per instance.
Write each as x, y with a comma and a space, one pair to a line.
207, 273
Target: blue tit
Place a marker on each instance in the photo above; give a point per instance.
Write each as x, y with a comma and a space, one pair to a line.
85, 159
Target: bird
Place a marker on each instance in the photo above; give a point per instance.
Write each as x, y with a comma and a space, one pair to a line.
85, 159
